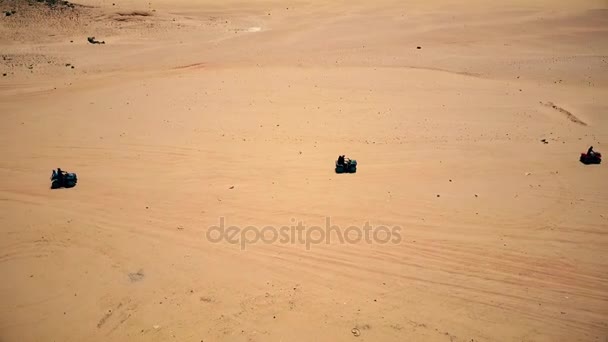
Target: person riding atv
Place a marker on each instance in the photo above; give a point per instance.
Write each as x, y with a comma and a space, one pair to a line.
344, 164
591, 157
58, 175
64, 179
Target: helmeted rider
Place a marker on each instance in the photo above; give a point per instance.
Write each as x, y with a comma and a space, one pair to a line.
60, 175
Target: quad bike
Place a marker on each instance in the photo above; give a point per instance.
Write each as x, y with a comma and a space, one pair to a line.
62, 179
591, 158
346, 165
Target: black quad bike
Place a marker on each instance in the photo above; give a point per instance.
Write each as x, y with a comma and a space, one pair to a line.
346, 165
62, 179
591, 158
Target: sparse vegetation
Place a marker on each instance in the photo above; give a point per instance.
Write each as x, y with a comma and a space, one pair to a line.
134, 14
53, 3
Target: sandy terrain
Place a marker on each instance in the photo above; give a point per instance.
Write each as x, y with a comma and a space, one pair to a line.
197, 110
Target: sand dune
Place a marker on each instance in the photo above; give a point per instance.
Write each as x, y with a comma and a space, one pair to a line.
194, 111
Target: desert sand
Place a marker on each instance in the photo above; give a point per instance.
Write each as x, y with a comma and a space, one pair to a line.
194, 111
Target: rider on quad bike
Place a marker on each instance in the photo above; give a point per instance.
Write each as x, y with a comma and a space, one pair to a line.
62, 179
591, 157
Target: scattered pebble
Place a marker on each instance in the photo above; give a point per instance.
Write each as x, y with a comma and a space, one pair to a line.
355, 332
